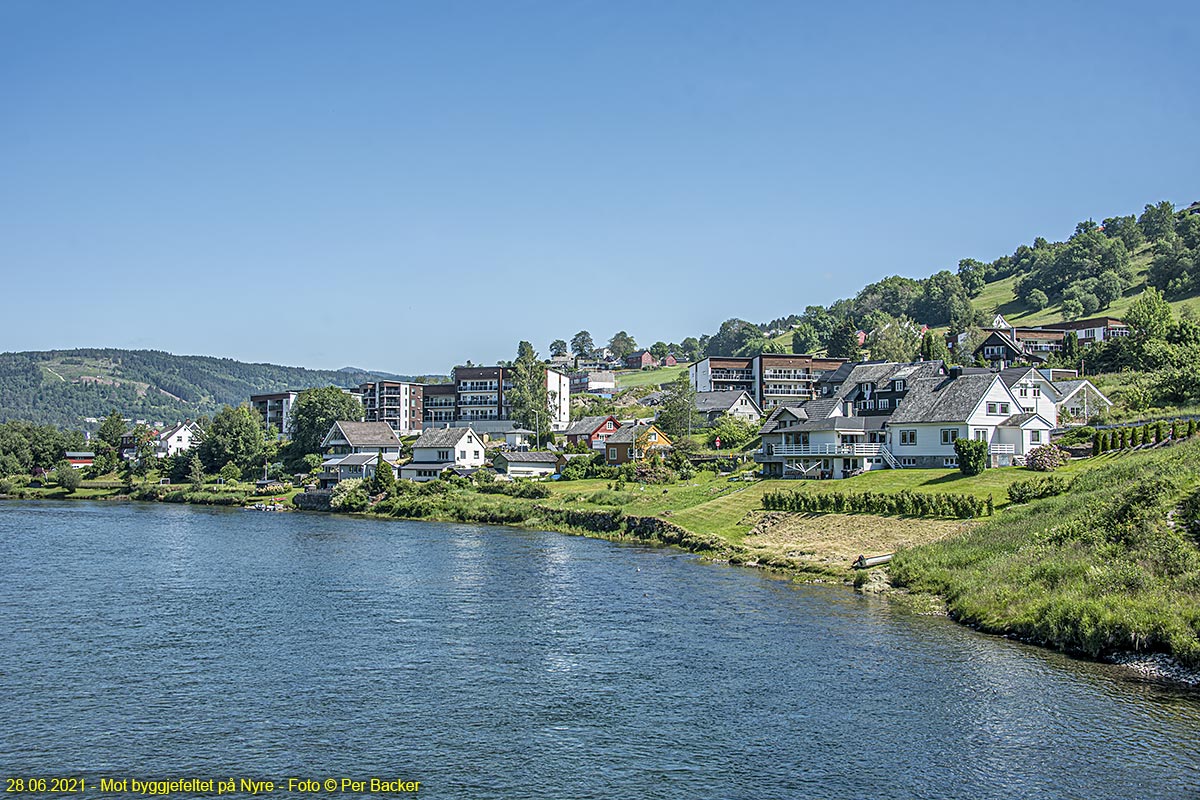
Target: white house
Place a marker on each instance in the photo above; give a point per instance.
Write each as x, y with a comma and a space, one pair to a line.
1035, 392
177, 439
526, 464
1077, 401
938, 411
712, 405
441, 449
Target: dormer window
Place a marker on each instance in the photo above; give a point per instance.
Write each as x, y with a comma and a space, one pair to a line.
898, 385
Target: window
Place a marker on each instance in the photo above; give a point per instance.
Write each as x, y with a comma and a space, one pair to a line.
979, 435
462, 454
991, 408
949, 435
1035, 437
908, 437
950, 461
652, 436
898, 386
1027, 409
476, 455
908, 461
443, 455
608, 426
612, 454
1023, 391
1004, 409
1037, 391
884, 404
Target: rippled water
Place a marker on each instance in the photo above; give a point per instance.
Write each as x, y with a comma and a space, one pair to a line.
159, 641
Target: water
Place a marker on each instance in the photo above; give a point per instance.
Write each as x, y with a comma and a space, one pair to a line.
158, 641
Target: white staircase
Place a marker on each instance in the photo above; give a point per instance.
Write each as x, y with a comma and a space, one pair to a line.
889, 458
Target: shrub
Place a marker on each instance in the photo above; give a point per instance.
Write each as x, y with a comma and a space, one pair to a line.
67, 477
1032, 488
972, 455
905, 503
1047, 458
522, 488
230, 472
337, 499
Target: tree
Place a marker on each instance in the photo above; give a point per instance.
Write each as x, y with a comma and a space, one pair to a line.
732, 431
732, 337
677, 414
895, 340
973, 275
230, 473
804, 338
558, 348
933, 348
1158, 221
529, 395
313, 414
195, 472
384, 481
1072, 309
1108, 288
690, 350
67, 477
844, 341
1126, 229
659, 350
112, 429
234, 437
1150, 316
1038, 300
582, 344
1069, 355
622, 344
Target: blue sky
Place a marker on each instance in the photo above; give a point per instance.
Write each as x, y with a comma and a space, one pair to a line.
405, 186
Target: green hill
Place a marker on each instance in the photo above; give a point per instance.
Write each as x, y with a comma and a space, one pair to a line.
65, 387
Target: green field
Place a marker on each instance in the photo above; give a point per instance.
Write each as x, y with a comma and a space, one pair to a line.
649, 377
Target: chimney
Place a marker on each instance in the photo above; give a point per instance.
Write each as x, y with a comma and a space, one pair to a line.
956, 372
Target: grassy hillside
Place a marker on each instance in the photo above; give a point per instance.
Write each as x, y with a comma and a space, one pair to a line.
66, 386
999, 297
1111, 565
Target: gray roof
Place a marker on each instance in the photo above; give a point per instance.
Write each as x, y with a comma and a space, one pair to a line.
585, 425
442, 437
773, 420
368, 434
627, 433
943, 399
722, 401
79, 454
533, 457
357, 459
1017, 420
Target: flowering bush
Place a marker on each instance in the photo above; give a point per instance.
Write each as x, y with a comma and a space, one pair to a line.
1047, 458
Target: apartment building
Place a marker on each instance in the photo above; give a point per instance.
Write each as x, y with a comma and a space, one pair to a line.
398, 403
478, 397
771, 379
274, 408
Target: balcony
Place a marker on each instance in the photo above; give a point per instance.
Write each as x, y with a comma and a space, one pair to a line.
732, 375
791, 391
787, 374
820, 450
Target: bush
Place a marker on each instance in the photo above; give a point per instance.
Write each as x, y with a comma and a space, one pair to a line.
342, 490
230, 473
972, 455
524, 489
911, 504
1047, 458
1032, 488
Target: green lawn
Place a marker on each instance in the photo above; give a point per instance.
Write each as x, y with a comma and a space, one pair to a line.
649, 377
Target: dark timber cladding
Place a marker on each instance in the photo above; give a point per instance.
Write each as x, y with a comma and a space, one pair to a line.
479, 381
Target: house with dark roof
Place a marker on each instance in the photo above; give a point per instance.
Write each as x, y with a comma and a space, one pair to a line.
643, 359
842, 432
354, 465
635, 442
940, 410
592, 430
177, 438
347, 437
533, 464
443, 448
713, 405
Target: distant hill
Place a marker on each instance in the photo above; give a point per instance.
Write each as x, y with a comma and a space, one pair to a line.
64, 387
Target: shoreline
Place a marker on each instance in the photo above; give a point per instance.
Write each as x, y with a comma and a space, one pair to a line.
1159, 667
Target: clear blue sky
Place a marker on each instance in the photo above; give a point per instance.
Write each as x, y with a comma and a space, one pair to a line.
404, 186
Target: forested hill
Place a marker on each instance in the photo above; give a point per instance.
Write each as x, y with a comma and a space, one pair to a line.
64, 387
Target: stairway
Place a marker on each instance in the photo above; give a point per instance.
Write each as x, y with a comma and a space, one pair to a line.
889, 458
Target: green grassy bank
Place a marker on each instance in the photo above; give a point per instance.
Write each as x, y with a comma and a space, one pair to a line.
1111, 565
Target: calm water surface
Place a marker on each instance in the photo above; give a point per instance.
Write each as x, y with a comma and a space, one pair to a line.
161, 641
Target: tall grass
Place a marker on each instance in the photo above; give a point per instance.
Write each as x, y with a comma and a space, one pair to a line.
1110, 565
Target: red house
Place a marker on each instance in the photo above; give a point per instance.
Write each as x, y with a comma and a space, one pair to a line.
81, 459
641, 360
593, 431
670, 360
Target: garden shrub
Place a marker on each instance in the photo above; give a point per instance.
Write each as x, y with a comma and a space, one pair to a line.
1047, 458
972, 455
